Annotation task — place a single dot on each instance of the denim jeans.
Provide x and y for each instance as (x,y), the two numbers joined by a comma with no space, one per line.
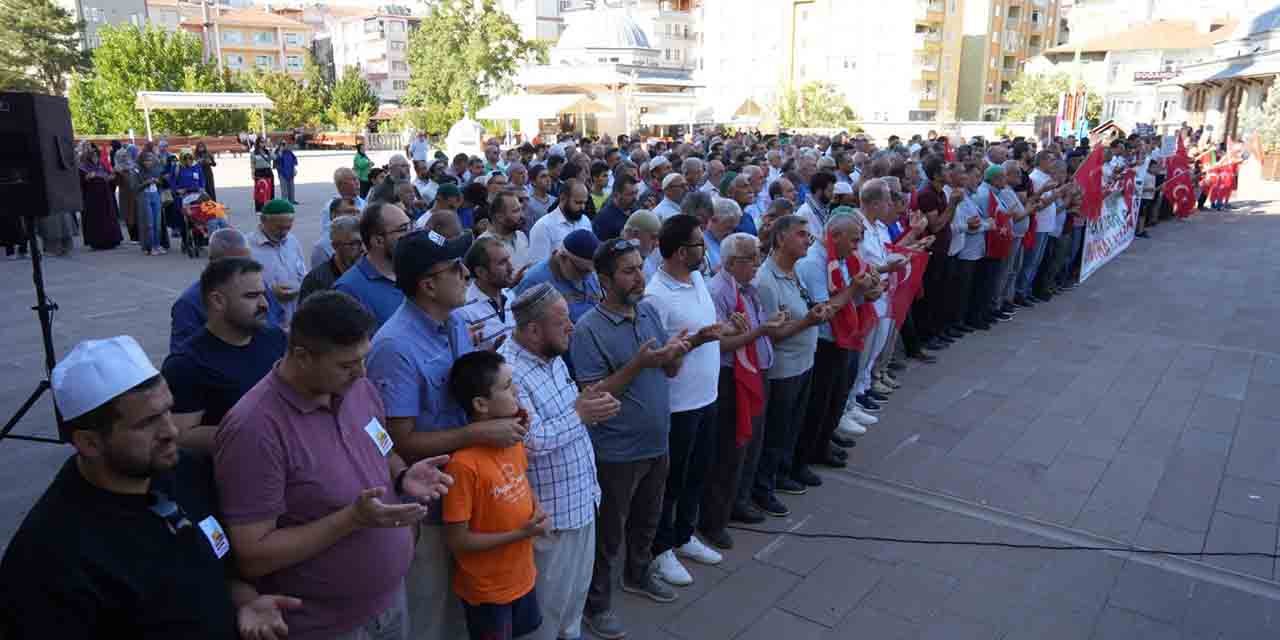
(286,188)
(149,220)
(693,450)
(1031,263)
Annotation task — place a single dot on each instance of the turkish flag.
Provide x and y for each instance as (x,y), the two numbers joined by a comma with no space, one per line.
(748,385)
(1089,177)
(948,153)
(999,239)
(908,282)
(1178,188)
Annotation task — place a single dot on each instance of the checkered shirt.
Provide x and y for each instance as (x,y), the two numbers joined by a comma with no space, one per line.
(562,464)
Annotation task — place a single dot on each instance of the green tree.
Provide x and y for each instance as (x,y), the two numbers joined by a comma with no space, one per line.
(462,56)
(1264,121)
(816,104)
(1037,95)
(39,46)
(131,59)
(317,81)
(352,102)
(296,105)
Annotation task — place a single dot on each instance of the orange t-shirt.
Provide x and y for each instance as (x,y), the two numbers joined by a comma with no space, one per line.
(491,491)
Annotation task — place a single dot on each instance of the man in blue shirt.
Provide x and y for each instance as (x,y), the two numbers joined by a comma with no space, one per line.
(287,167)
(236,348)
(571,271)
(409,364)
(372,280)
(188,314)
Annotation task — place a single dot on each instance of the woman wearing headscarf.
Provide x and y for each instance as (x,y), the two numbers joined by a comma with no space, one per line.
(99,215)
(260,162)
(123,166)
(207,162)
(362,164)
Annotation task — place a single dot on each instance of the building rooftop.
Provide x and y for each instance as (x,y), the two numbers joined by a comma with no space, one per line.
(1260,22)
(1160,34)
(603,28)
(254,18)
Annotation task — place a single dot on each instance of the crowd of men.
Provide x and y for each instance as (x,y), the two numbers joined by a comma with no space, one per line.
(499,384)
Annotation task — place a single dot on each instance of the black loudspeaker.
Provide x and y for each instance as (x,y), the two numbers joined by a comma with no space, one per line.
(38,166)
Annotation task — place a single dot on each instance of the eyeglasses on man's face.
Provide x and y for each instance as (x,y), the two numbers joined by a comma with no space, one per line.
(455,265)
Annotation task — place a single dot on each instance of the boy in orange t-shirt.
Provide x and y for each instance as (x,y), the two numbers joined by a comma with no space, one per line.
(491,514)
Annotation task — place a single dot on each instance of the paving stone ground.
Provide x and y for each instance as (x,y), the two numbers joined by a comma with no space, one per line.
(1143,408)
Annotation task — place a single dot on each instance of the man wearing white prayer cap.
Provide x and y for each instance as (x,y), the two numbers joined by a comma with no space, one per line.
(125,542)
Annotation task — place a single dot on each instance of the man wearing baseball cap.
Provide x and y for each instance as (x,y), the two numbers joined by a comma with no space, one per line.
(409,363)
(126,542)
(571,271)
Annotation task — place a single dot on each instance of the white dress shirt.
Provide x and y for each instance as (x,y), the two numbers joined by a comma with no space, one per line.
(549,231)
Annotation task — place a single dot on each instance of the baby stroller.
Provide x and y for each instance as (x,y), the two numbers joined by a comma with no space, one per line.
(203,216)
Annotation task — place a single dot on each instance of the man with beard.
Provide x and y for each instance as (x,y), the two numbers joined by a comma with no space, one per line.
(236,348)
(126,542)
(740,191)
(507,227)
(188,313)
(642,229)
(571,271)
(550,230)
(487,311)
(674,189)
(562,464)
(619,347)
(275,247)
(372,280)
(316,500)
(817,206)
(347,186)
(609,222)
(344,237)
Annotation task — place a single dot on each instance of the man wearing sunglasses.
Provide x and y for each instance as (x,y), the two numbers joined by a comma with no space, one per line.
(409,364)
(372,280)
(127,542)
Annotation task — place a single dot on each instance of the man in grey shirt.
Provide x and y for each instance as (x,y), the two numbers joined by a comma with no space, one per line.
(619,347)
(793,348)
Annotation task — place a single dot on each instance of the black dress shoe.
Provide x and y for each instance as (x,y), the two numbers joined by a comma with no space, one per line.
(1009,308)
(1036,300)
(868,405)
(838,452)
(841,441)
(718,539)
(806,477)
(772,506)
(978,327)
(897,366)
(878,397)
(962,329)
(925,358)
(833,462)
(786,484)
(947,338)
(936,344)
(746,514)
(1025,303)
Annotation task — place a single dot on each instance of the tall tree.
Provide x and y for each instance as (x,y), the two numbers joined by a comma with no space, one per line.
(1037,95)
(39,46)
(816,104)
(353,96)
(461,56)
(318,80)
(295,104)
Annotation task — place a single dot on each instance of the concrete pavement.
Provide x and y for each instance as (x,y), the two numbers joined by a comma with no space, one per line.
(1141,408)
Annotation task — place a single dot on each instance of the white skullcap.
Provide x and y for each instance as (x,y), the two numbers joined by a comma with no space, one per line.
(96,371)
(844,189)
(658,161)
(670,179)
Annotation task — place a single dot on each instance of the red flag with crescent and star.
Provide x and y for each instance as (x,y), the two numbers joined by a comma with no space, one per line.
(999,239)
(748,385)
(1089,177)
(1178,188)
(909,282)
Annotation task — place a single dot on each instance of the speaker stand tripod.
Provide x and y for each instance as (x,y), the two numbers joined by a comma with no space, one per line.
(44,310)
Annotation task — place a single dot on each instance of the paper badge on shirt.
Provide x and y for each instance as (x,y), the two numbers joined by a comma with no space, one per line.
(381,438)
(217,538)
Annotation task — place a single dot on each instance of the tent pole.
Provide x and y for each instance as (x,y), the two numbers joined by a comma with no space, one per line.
(262,117)
(146,114)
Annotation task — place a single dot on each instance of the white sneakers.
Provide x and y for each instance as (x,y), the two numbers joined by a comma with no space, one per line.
(698,552)
(670,570)
(668,567)
(861,417)
(849,427)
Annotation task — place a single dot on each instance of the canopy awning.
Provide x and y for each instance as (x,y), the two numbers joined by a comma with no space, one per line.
(541,106)
(184,100)
(1252,66)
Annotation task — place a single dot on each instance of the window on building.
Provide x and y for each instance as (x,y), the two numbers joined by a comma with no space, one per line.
(235,60)
(995,9)
(294,63)
(397,45)
(372,26)
(397,65)
(293,39)
(264,37)
(263,62)
(232,37)
(400,85)
(396,26)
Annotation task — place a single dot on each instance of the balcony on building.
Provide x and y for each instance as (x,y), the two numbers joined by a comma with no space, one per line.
(925,63)
(1009,65)
(1035,44)
(927,39)
(930,11)
(1012,41)
(1014,17)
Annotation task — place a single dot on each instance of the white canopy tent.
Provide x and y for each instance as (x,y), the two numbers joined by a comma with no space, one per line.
(148,100)
(535,107)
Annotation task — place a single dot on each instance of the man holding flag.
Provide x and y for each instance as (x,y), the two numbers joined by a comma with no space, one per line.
(1178,187)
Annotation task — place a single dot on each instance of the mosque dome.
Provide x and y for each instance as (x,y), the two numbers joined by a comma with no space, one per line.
(604,28)
(1260,22)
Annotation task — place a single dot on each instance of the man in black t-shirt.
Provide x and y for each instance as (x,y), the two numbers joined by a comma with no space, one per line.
(126,541)
(234,350)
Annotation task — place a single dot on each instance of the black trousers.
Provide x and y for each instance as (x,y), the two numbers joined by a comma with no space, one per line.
(729,480)
(784,414)
(933,317)
(962,289)
(692,450)
(830,391)
(982,291)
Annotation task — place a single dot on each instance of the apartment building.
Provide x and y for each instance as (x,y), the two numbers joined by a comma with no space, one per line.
(537,19)
(671,26)
(246,39)
(99,13)
(999,39)
(373,42)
